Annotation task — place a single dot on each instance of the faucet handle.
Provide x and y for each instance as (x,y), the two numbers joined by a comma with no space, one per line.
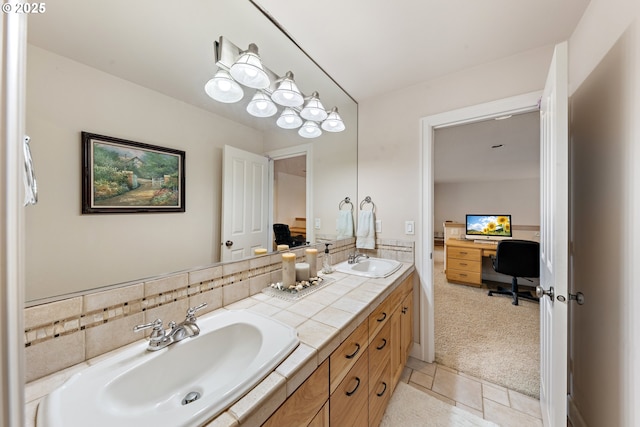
(158,330)
(191,312)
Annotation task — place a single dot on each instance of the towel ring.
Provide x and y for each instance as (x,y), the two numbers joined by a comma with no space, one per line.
(368,200)
(346,201)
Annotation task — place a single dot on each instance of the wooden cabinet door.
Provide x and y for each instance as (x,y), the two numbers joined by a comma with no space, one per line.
(396,347)
(303,405)
(406,326)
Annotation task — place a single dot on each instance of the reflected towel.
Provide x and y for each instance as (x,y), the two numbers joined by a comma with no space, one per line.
(366,234)
(344,225)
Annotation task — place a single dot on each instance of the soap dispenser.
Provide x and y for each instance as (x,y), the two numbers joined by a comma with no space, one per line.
(326,261)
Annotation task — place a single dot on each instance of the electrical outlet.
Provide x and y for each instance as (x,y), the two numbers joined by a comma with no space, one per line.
(409,227)
(454,231)
(316,224)
(378,226)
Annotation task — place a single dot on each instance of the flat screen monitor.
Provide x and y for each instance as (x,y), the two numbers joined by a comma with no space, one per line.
(488,227)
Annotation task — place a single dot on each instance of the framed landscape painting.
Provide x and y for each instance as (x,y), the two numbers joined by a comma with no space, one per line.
(121,176)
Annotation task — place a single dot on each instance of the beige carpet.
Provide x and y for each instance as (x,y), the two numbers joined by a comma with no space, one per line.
(487,337)
(409,407)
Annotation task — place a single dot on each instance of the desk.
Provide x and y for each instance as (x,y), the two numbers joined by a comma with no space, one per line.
(464,260)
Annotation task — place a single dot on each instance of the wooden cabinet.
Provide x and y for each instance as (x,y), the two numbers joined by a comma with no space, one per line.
(464,265)
(304,407)
(353,386)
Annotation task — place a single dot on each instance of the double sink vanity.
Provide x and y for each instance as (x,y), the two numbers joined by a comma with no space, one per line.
(330,358)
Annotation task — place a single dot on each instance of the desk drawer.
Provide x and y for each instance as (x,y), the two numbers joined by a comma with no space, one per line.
(464,276)
(465,265)
(464,253)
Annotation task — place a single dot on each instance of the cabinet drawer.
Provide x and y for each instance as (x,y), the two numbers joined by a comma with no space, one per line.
(464,276)
(465,265)
(379,354)
(464,253)
(347,354)
(379,396)
(351,396)
(378,317)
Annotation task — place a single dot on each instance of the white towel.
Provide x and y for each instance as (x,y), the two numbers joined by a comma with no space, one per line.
(366,234)
(344,224)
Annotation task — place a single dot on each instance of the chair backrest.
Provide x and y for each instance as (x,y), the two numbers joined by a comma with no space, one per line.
(518,258)
(282,234)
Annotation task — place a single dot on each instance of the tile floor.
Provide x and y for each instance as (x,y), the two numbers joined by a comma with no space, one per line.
(489,401)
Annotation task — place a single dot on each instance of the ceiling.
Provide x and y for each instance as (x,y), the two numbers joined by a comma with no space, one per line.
(466,152)
(374,47)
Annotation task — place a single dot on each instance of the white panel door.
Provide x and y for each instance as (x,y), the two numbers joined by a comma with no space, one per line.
(245,203)
(554,205)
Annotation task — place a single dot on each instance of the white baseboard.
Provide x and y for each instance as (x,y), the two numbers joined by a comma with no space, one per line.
(574,413)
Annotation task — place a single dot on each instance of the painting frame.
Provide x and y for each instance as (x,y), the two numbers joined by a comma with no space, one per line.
(121,176)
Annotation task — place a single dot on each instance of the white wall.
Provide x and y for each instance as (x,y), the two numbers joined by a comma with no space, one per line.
(604,76)
(69,252)
(290,194)
(389,143)
(520,198)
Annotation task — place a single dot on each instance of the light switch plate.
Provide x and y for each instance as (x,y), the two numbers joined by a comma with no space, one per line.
(378,226)
(409,227)
(316,224)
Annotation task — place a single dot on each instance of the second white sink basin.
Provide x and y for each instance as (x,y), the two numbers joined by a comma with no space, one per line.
(185,384)
(370,267)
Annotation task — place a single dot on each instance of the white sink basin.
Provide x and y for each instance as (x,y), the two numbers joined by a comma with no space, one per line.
(370,267)
(234,351)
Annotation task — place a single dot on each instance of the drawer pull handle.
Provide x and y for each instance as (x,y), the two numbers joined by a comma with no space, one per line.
(352,355)
(463,274)
(404,310)
(383,390)
(350,393)
(384,316)
(383,345)
(463,253)
(464,264)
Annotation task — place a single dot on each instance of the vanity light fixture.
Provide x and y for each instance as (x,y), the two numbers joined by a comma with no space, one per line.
(261,105)
(313,109)
(223,88)
(287,94)
(333,122)
(248,70)
(289,119)
(310,129)
(237,68)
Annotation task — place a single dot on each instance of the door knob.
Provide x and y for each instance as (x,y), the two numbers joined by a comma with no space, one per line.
(579,298)
(228,243)
(540,292)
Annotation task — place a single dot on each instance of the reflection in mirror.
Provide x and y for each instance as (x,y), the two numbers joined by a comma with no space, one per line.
(137,71)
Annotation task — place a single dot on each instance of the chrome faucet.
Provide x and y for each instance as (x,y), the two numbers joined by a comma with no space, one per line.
(353,258)
(160,338)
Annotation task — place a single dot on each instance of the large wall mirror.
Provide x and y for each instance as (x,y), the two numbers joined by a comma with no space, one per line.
(136,71)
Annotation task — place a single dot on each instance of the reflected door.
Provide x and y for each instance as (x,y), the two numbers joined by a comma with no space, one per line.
(245,198)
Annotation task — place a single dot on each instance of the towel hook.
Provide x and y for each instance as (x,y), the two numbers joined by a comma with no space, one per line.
(368,200)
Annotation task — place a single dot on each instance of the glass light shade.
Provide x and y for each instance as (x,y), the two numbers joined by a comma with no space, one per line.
(309,130)
(333,122)
(248,70)
(287,94)
(289,119)
(223,88)
(313,109)
(261,106)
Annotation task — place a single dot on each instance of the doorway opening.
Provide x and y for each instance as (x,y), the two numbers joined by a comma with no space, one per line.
(425,250)
(290,194)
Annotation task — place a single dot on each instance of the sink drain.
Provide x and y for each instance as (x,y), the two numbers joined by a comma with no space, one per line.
(191,397)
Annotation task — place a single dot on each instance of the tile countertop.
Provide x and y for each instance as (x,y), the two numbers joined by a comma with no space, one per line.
(323,320)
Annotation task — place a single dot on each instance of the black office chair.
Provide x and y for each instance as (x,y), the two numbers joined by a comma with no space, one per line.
(517,258)
(283,236)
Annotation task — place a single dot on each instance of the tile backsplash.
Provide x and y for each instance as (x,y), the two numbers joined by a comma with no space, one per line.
(69,331)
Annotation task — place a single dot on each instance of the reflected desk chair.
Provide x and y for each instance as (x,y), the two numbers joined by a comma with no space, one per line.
(517,258)
(283,236)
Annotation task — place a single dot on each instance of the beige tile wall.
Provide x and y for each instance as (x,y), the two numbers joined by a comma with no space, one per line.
(63,333)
